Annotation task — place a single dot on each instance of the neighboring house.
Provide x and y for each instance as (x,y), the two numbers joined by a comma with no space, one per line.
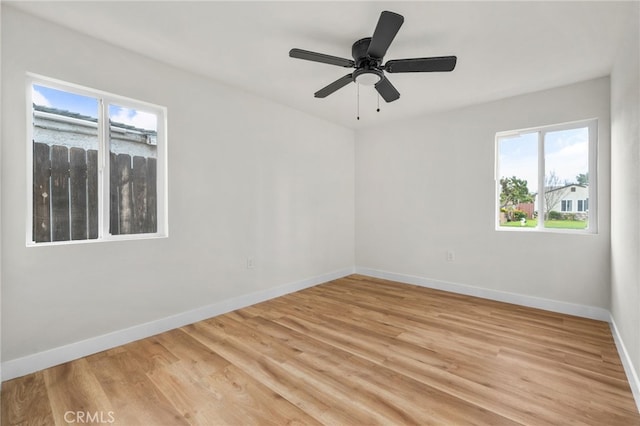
(567,199)
(53,126)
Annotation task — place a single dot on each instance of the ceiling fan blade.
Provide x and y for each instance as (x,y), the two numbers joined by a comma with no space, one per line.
(386,90)
(338,84)
(321,57)
(386,30)
(435,64)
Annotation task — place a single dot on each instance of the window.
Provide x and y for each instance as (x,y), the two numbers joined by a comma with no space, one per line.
(545,177)
(98,165)
(583,205)
(566,206)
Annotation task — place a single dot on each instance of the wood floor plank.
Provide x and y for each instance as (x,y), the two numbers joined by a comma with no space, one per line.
(424,366)
(148,354)
(195,356)
(356,350)
(25,401)
(134,398)
(189,395)
(73,389)
(317,370)
(228,396)
(321,405)
(406,401)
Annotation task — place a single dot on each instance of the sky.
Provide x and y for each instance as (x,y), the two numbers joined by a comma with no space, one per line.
(85,105)
(566,153)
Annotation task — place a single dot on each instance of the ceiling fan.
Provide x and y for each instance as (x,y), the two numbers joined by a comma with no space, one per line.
(367,60)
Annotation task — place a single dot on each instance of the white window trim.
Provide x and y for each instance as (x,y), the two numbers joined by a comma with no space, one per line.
(592,125)
(104,99)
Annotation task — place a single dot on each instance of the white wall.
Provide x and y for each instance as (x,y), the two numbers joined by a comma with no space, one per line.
(426,185)
(625,193)
(247,177)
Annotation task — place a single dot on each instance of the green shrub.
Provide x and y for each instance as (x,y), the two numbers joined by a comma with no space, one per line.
(554,215)
(519,214)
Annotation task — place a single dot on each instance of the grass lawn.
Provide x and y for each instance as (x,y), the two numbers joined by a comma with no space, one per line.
(557,224)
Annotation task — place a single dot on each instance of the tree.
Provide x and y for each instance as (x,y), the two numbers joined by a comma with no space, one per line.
(513,192)
(583,179)
(552,192)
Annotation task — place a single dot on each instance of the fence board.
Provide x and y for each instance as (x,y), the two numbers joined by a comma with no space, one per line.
(59,193)
(125,193)
(92,193)
(114,207)
(139,186)
(78,193)
(151,224)
(41,193)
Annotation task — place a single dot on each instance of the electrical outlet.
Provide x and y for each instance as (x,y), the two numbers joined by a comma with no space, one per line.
(451,256)
(251,262)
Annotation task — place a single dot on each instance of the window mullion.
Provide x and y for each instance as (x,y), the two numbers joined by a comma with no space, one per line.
(593,177)
(541,181)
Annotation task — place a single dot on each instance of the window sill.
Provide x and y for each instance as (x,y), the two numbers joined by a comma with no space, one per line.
(547,230)
(111,238)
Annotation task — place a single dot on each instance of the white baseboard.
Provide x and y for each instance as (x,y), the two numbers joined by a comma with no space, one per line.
(584,311)
(31,363)
(632,376)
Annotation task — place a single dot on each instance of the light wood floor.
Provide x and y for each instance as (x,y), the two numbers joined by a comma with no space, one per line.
(354,351)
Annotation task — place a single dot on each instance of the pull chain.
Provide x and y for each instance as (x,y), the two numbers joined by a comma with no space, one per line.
(358,101)
(378,110)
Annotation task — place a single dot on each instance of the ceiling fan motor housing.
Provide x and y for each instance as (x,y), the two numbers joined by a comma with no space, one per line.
(359,52)
(368,70)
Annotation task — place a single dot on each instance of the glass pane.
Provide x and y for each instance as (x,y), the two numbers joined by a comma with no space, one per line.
(65,165)
(566,181)
(518,174)
(132,165)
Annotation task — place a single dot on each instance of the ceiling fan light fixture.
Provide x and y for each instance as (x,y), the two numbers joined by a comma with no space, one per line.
(368,78)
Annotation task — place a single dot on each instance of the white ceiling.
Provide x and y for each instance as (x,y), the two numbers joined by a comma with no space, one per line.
(503,48)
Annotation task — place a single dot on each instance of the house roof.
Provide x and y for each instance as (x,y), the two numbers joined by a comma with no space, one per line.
(557,188)
(77,116)
(64,113)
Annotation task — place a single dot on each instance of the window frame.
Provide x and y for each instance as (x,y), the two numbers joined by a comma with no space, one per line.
(592,222)
(103,132)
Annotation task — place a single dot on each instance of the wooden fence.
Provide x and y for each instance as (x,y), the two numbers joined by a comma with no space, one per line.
(65,194)
(528,208)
